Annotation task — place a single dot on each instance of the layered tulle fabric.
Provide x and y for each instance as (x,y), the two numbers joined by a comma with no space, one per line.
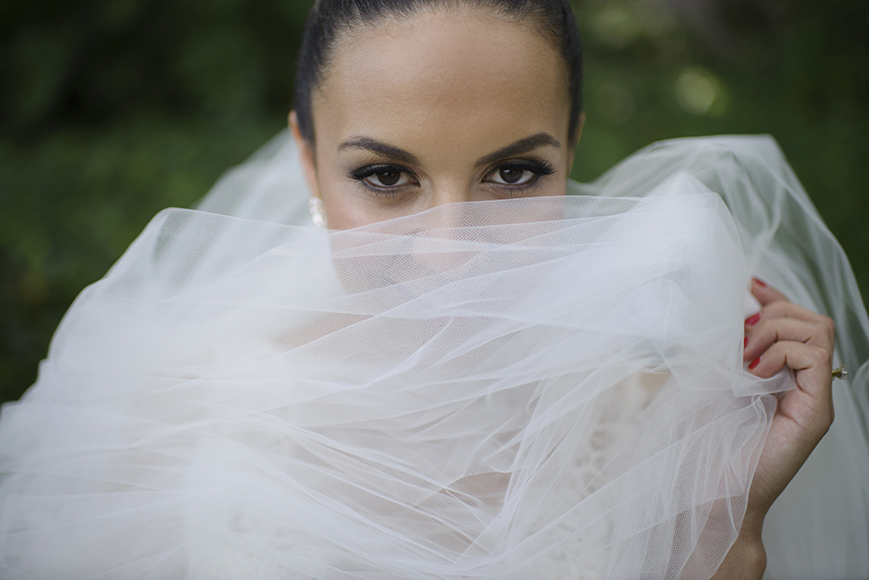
(544,388)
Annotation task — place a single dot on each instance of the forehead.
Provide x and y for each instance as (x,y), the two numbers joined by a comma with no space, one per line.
(442,74)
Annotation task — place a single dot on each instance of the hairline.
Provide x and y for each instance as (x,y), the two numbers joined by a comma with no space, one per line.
(358,24)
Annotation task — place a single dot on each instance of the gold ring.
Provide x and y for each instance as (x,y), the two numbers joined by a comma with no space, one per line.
(840,373)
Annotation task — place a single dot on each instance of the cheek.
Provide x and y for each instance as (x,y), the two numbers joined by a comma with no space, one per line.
(345,207)
(341,211)
(341,202)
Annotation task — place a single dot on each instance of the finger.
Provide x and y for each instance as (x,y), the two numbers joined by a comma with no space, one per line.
(805,414)
(762,336)
(812,365)
(781,309)
(764,293)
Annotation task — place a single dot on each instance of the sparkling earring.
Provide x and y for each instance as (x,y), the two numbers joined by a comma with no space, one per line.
(318,212)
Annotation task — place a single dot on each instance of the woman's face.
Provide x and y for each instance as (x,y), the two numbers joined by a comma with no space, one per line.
(443,107)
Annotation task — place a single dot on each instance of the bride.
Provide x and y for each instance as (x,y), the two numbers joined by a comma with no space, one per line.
(473,368)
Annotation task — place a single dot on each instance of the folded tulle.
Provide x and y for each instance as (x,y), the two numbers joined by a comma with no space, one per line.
(531,388)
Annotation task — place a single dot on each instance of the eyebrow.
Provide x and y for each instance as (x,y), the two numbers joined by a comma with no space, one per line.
(521,146)
(380,148)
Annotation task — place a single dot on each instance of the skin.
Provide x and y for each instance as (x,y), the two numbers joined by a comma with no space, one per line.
(434,98)
(449,89)
(783,335)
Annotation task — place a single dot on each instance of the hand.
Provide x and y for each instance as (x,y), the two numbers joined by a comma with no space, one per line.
(782,334)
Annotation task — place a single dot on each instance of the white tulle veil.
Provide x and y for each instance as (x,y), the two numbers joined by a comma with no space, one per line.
(544,388)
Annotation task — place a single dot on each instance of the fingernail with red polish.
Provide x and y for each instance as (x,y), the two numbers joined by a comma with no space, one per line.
(754,363)
(760,283)
(745,342)
(751,321)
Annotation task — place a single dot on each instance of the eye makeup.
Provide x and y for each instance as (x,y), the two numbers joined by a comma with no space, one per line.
(511,177)
(505,171)
(384,179)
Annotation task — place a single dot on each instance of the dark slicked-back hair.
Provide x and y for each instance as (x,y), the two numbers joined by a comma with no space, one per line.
(328,19)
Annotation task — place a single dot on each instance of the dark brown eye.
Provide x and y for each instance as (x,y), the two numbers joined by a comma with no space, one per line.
(511,175)
(388,178)
(384,177)
(519,172)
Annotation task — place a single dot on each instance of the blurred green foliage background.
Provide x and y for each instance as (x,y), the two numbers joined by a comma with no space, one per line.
(111,110)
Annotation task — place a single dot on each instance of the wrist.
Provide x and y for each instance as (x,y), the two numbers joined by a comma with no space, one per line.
(746,559)
(751,530)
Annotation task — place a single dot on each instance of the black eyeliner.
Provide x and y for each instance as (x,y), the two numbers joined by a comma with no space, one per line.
(361,175)
(536,167)
(369,170)
(540,170)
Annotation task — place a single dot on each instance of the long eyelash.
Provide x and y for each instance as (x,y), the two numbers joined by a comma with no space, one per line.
(539,168)
(369,170)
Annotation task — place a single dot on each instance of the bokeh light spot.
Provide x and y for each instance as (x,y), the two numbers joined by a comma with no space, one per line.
(700,92)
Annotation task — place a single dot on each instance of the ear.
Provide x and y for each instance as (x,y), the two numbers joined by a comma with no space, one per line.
(306,155)
(580,123)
